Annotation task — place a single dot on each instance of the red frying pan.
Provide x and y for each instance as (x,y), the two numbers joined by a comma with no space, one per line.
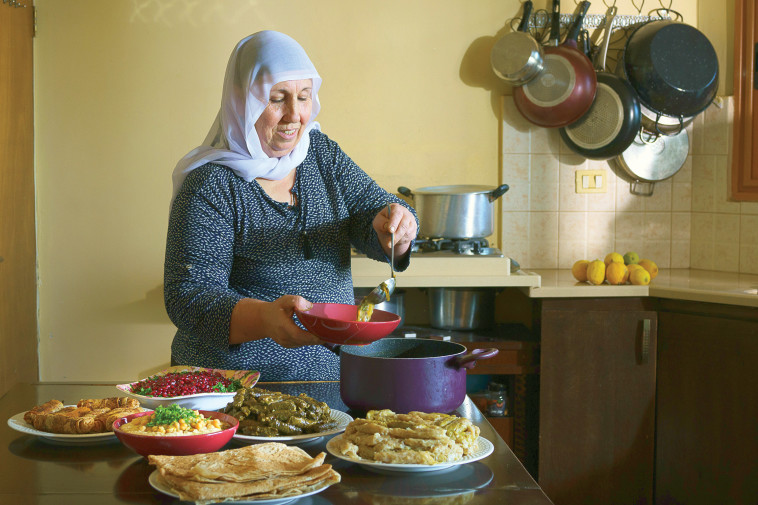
(565,89)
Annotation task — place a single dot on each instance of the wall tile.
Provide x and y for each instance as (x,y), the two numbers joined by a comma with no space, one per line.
(702,227)
(749,230)
(749,259)
(681,196)
(749,207)
(545,141)
(625,200)
(726,229)
(543,226)
(701,255)
(685,172)
(715,128)
(660,200)
(721,187)
(543,253)
(515,224)
(545,183)
(570,251)
(726,257)
(572,226)
(518,250)
(658,251)
(703,182)
(569,199)
(517,196)
(516,130)
(680,254)
(681,226)
(516,168)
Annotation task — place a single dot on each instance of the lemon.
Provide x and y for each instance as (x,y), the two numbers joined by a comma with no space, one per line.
(632,267)
(596,272)
(614,257)
(579,270)
(631,258)
(616,273)
(650,266)
(640,277)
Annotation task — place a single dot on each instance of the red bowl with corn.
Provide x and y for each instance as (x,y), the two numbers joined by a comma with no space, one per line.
(209,431)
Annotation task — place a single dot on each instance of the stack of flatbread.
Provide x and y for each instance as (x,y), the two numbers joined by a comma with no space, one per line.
(255,472)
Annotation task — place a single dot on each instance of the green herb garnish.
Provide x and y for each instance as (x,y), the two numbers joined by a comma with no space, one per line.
(167,415)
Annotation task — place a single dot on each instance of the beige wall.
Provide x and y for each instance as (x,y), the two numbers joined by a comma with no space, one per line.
(124,88)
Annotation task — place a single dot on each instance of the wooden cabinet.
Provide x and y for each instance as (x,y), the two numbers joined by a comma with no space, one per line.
(707,420)
(597,400)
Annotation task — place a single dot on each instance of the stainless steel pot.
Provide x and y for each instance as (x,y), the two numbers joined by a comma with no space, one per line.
(461,308)
(455,212)
(395,305)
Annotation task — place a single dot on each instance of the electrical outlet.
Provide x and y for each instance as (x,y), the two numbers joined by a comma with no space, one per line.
(591,181)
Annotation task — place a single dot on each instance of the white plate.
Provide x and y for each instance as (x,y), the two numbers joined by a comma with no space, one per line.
(17,423)
(159,486)
(342,419)
(483,449)
(200,401)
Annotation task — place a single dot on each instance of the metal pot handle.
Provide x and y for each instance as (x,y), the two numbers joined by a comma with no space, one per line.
(495,193)
(469,360)
(405,191)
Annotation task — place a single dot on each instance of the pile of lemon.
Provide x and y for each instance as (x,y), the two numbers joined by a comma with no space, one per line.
(616,269)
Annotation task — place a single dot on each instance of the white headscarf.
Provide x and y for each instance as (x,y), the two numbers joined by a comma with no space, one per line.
(257,63)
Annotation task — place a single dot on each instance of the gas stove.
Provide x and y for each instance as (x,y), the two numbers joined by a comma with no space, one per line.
(455,247)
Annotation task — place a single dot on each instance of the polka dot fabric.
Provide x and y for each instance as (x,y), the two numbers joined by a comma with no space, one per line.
(227,240)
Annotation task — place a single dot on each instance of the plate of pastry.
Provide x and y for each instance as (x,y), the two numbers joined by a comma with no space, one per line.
(88,422)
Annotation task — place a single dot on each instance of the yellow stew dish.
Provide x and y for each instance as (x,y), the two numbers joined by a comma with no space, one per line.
(173,421)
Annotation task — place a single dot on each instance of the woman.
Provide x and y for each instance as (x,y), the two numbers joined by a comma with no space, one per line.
(262,221)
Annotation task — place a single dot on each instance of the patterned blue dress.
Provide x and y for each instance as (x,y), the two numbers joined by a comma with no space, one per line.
(228,239)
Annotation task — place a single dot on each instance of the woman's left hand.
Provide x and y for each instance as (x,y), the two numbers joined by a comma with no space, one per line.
(401,221)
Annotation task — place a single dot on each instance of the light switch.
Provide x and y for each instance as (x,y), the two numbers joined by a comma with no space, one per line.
(591,181)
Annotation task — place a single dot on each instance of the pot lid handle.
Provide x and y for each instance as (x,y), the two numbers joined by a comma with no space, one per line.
(405,191)
(498,192)
(469,360)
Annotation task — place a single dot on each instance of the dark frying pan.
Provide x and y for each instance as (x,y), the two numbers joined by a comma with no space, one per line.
(517,57)
(613,120)
(565,89)
(674,70)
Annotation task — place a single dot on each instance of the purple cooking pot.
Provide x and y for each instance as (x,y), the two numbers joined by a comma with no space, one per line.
(405,374)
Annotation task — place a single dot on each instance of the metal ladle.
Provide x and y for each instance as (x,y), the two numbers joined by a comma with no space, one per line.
(382,292)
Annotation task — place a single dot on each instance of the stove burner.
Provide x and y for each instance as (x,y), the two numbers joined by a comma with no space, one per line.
(458,246)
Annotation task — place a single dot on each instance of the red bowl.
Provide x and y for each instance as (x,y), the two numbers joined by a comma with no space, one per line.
(336,323)
(177,445)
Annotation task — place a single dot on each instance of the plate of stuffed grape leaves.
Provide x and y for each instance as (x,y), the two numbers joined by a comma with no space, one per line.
(271,416)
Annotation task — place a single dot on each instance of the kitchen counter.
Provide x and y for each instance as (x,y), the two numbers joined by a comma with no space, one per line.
(432,271)
(679,284)
(36,471)
(486,271)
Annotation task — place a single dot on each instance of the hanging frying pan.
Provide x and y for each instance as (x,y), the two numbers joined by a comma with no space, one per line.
(674,70)
(517,57)
(651,158)
(613,120)
(564,90)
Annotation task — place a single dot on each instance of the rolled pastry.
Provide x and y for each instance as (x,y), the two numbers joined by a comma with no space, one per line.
(114,402)
(45,408)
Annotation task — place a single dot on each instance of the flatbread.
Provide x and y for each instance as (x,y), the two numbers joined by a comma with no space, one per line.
(270,470)
(278,486)
(248,463)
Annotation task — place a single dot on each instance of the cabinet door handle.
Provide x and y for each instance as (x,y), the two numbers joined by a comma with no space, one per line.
(645,342)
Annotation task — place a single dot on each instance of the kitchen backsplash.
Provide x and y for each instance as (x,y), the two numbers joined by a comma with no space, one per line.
(688,222)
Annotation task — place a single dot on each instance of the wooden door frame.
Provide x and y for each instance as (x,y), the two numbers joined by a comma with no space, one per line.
(744,171)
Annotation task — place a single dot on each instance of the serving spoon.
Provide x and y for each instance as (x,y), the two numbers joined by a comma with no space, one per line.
(382,292)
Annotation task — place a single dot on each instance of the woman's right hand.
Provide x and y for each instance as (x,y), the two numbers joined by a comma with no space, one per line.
(256,319)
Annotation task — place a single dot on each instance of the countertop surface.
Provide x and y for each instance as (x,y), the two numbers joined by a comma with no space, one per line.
(680,284)
(459,271)
(36,471)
